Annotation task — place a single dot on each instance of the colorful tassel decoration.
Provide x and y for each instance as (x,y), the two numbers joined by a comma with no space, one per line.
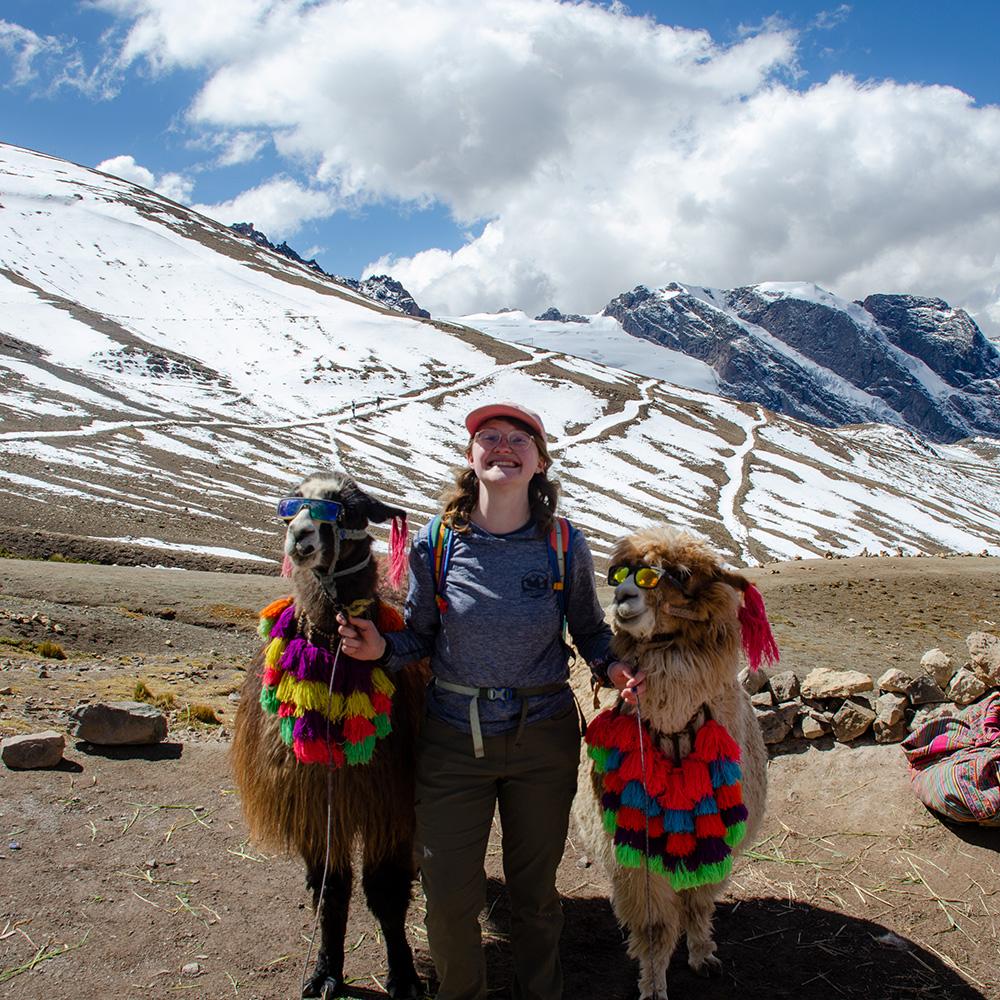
(399,534)
(755,630)
(334,722)
(680,821)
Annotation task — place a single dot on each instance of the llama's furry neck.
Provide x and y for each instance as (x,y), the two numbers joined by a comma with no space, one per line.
(312,600)
(683,676)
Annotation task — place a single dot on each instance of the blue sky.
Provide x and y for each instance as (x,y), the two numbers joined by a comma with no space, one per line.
(126,78)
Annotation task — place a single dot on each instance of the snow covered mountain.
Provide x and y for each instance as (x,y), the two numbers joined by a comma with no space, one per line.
(797,349)
(163,381)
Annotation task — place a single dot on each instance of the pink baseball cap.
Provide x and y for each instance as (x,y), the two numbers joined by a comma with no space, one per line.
(481,414)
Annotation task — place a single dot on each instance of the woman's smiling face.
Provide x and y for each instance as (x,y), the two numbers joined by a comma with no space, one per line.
(503,465)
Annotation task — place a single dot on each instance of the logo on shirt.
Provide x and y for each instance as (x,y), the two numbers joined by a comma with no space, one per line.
(535,584)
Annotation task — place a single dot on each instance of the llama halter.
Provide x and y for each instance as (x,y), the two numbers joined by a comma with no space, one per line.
(679,819)
(326,716)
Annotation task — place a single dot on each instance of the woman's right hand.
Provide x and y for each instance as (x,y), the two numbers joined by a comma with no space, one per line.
(631,686)
(360,639)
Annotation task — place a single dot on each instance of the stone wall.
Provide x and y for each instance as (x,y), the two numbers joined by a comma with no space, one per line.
(846,705)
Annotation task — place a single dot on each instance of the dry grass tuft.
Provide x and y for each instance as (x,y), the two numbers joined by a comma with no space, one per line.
(203,713)
(141,692)
(235,615)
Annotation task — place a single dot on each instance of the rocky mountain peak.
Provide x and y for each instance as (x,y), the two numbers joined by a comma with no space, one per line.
(553,315)
(381,288)
(801,350)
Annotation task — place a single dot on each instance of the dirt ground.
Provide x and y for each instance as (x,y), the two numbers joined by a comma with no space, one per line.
(119,868)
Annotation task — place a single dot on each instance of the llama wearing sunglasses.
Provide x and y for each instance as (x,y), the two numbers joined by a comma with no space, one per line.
(323,747)
(675,789)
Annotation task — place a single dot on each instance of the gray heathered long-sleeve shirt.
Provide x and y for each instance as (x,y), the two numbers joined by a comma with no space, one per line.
(502,626)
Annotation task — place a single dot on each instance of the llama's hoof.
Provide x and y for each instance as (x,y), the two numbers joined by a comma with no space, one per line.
(320,986)
(406,988)
(708,966)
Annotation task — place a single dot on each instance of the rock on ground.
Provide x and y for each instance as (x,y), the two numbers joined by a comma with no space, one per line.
(895,680)
(939,665)
(776,723)
(120,723)
(889,732)
(34,750)
(984,657)
(851,721)
(965,687)
(785,686)
(825,683)
(813,729)
(924,690)
(753,681)
(889,708)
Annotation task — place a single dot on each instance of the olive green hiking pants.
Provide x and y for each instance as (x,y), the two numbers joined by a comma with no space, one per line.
(533,785)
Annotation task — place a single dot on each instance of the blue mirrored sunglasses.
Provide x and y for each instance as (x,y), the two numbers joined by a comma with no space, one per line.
(319,510)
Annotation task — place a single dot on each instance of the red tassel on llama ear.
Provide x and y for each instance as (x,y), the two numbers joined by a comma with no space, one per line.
(399,534)
(758,640)
(286,567)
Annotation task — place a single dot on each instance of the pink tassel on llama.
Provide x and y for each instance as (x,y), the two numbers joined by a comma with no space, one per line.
(399,535)
(286,567)
(758,640)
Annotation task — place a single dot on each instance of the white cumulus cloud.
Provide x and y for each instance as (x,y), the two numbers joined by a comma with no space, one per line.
(277,207)
(590,149)
(175,186)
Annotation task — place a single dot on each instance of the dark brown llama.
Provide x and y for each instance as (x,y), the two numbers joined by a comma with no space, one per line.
(302,758)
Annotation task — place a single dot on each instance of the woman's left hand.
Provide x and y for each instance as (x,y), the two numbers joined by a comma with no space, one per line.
(631,685)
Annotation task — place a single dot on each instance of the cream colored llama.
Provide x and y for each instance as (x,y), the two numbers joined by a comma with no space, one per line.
(663,805)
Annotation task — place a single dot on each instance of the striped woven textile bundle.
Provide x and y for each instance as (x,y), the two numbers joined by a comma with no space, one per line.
(681,821)
(336,723)
(955,763)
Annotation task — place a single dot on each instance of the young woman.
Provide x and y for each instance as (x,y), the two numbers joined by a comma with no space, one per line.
(502,729)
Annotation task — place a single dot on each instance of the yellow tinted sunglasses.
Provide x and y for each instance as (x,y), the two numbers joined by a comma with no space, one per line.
(646,577)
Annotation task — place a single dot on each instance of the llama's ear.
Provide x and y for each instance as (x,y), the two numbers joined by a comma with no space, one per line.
(755,630)
(378,512)
(738,582)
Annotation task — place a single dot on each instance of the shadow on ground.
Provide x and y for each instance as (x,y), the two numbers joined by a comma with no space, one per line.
(769,948)
(152,751)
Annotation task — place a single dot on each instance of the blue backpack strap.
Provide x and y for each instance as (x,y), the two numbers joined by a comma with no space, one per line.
(559,546)
(441,538)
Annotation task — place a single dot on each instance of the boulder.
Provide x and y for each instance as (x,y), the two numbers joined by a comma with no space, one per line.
(924,690)
(119,723)
(825,683)
(753,681)
(895,680)
(776,723)
(889,732)
(966,687)
(762,699)
(784,686)
(34,750)
(851,721)
(939,665)
(984,657)
(932,712)
(890,708)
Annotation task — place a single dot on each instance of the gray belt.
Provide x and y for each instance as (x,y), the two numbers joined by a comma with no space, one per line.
(496,694)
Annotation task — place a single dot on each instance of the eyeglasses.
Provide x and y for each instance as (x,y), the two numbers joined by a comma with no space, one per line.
(490,439)
(646,577)
(319,510)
